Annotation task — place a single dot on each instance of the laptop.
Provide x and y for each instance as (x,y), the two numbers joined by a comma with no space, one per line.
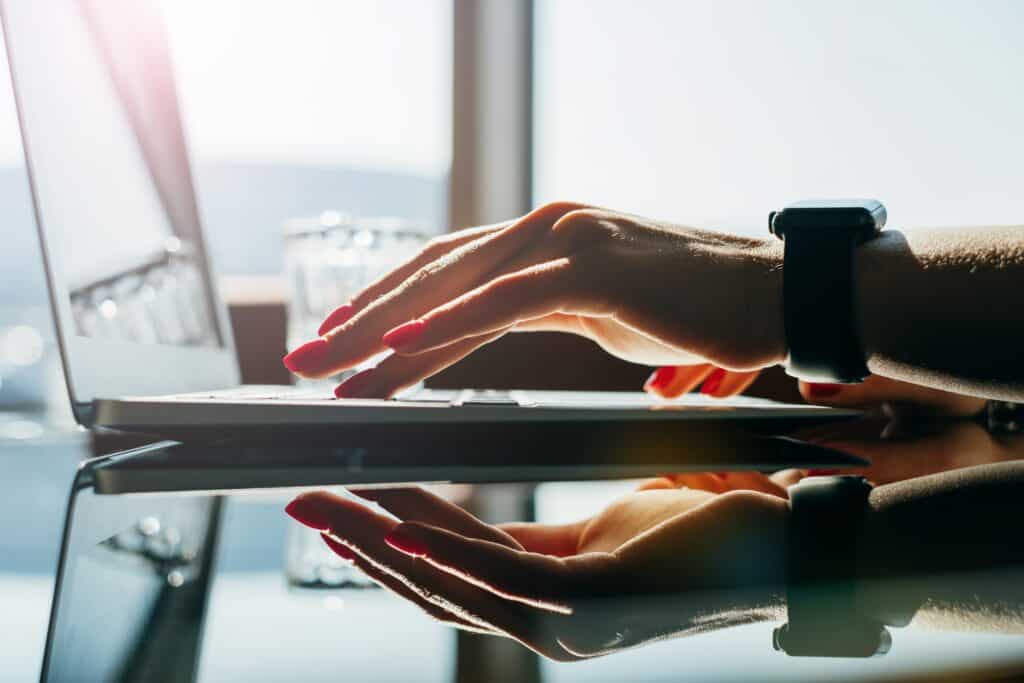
(144,337)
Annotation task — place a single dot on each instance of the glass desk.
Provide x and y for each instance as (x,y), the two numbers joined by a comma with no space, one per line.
(173,587)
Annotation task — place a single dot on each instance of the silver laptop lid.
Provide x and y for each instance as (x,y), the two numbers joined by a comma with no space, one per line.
(133,297)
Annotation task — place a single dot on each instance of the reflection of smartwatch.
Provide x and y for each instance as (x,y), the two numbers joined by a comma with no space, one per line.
(824,521)
(817,282)
(1003,417)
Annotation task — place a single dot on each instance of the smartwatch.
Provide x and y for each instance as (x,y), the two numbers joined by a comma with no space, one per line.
(817,285)
(823,619)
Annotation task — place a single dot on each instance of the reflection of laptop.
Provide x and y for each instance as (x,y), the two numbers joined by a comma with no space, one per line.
(143,336)
(131,589)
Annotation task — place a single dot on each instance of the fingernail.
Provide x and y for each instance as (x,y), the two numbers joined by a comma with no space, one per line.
(824,390)
(821,473)
(307,512)
(354,386)
(404,334)
(309,354)
(342,551)
(712,382)
(403,541)
(660,378)
(339,316)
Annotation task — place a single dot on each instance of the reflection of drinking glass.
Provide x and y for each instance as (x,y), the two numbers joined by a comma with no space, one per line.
(309,563)
(159,300)
(332,257)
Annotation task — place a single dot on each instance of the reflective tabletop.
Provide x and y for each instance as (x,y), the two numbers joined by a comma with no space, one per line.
(176,587)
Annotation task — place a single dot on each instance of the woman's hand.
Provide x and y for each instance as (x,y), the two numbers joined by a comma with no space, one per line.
(659,562)
(645,291)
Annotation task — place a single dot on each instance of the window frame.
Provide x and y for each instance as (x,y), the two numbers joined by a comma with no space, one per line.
(490,179)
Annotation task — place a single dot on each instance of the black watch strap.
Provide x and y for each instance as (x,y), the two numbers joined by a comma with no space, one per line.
(818,286)
(818,305)
(825,519)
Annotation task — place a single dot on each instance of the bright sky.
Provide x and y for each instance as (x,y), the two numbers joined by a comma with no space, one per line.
(324,82)
(320,82)
(717,111)
(710,111)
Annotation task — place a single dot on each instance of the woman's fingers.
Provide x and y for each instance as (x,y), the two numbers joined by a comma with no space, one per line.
(724,383)
(433,251)
(878,390)
(362,531)
(458,271)
(389,582)
(395,373)
(674,381)
(416,504)
(359,338)
(533,292)
(537,580)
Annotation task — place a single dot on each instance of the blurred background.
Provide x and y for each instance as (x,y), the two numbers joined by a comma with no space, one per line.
(448,113)
(454,112)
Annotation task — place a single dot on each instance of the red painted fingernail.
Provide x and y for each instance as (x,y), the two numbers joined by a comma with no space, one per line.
(339,316)
(341,550)
(306,511)
(821,473)
(307,356)
(404,542)
(660,378)
(824,390)
(404,334)
(712,382)
(355,386)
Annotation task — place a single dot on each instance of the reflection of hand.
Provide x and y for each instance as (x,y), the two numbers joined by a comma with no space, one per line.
(896,454)
(876,391)
(639,288)
(655,563)
(904,451)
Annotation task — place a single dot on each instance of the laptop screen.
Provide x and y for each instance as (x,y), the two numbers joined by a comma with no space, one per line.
(103,139)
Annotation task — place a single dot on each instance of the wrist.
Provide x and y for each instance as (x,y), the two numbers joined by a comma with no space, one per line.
(882,590)
(763,300)
(872,300)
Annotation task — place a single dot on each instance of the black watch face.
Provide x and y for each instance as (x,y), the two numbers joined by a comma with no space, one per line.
(864,216)
(868,205)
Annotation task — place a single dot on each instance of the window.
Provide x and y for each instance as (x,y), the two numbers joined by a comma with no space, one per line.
(297,107)
(716,112)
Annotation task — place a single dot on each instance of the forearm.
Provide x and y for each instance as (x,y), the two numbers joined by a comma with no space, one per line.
(962,520)
(946,545)
(945,308)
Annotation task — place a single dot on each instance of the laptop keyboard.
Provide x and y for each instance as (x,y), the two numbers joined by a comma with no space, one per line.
(259,393)
(454,397)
